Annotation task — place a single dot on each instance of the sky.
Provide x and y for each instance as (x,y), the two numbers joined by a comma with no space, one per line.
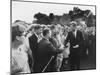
(26,10)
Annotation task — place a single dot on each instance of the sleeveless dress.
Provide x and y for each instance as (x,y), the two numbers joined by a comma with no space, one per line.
(59,56)
(66,51)
(20,60)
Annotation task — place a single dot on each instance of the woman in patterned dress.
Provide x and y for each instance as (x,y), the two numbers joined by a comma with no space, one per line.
(20,51)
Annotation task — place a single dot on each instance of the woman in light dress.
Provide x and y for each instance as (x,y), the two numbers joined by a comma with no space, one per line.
(20,51)
(61,39)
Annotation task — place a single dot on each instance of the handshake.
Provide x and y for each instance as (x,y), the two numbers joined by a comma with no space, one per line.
(76,46)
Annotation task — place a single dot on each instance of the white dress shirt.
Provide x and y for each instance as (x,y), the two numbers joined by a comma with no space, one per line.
(75,33)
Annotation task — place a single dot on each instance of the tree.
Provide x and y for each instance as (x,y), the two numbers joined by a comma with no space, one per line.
(76,13)
(90,20)
(65,19)
(56,19)
(42,18)
(51,17)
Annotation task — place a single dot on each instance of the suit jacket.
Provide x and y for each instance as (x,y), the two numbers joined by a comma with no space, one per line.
(33,42)
(78,40)
(45,51)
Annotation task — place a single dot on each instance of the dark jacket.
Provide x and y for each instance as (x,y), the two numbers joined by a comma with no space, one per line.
(33,42)
(45,51)
(75,41)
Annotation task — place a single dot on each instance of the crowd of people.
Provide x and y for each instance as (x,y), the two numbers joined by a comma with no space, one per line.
(44,48)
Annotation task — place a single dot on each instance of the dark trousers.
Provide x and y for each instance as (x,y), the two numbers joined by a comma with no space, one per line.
(52,66)
(35,67)
(74,60)
(40,65)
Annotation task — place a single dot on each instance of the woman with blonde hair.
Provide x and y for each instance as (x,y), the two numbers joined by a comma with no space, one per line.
(20,51)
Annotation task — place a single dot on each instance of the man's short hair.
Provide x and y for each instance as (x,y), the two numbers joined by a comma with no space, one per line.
(37,27)
(45,32)
(74,23)
(52,27)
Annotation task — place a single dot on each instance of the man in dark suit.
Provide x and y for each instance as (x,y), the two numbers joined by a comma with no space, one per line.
(75,38)
(85,45)
(44,53)
(33,42)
